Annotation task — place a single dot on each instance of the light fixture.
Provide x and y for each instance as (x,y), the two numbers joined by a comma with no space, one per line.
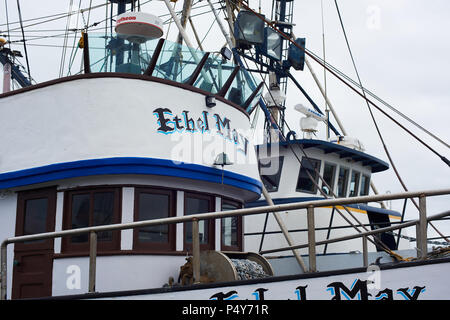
(226,53)
(210,101)
(296,56)
(222,160)
(248,29)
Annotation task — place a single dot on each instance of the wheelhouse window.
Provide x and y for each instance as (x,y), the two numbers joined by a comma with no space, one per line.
(354,183)
(193,204)
(86,208)
(365,184)
(152,204)
(270,171)
(329,175)
(342,182)
(309,167)
(231,228)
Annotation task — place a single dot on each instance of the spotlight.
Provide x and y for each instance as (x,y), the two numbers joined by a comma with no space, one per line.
(226,53)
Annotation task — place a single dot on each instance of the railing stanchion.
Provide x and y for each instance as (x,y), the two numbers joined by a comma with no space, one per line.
(423,224)
(195,251)
(92,260)
(3,271)
(365,252)
(311,239)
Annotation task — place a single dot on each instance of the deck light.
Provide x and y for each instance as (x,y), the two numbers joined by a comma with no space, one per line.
(210,101)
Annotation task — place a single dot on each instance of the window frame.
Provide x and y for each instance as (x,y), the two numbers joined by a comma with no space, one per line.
(316,178)
(155,246)
(357,183)
(210,245)
(239,228)
(366,187)
(333,180)
(277,174)
(114,245)
(346,182)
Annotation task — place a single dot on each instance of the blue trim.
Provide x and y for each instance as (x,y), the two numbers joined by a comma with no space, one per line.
(127,165)
(374,163)
(360,206)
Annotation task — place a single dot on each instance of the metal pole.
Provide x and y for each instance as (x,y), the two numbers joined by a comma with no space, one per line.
(365,252)
(222,28)
(186,14)
(185,37)
(195,251)
(423,224)
(6,77)
(284,230)
(311,239)
(92,260)
(3,258)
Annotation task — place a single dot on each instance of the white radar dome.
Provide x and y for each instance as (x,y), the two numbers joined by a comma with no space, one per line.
(139,27)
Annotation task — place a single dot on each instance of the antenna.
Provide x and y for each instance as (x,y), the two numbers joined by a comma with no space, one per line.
(309,123)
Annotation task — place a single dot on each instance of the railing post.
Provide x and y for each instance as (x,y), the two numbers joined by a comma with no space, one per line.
(195,251)
(92,260)
(3,271)
(365,252)
(422,228)
(311,239)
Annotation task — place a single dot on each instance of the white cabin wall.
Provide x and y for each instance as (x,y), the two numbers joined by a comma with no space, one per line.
(115,273)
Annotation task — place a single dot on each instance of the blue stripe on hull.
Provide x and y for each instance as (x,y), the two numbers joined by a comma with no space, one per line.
(127,165)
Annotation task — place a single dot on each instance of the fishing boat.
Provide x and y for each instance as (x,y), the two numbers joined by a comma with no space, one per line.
(140,177)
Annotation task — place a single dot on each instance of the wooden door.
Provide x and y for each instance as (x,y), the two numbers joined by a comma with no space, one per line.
(33,260)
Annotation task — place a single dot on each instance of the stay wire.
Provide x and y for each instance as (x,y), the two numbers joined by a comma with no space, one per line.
(375,240)
(373,117)
(24,44)
(272,25)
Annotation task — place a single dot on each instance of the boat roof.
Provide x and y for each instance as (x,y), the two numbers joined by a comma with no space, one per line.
(376,165)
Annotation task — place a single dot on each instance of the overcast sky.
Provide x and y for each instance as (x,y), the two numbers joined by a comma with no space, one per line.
(401,49)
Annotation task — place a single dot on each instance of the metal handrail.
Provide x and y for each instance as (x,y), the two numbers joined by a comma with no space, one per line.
(309,205)
(363,234)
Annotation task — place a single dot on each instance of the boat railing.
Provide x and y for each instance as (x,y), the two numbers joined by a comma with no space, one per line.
(420,224)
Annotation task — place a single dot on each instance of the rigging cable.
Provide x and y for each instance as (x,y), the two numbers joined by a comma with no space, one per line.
(375,240)
(371,113)
(24,44)
(287,37)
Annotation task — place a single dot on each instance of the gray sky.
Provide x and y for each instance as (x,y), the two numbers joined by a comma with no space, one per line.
(401,49)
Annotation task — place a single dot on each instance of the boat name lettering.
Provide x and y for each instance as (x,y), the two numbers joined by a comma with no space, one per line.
(173,123)
(358,290)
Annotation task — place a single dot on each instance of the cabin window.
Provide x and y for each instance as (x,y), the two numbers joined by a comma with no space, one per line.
(152,204)
(231,230)
(193,204)
(86,208)
(342,182)
(329,175)
(308,167)
(354,183)
(270,171)
(365,184)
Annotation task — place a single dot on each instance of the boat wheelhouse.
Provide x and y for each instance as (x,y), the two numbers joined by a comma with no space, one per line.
(346,172)
(121,144)
(139,176)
